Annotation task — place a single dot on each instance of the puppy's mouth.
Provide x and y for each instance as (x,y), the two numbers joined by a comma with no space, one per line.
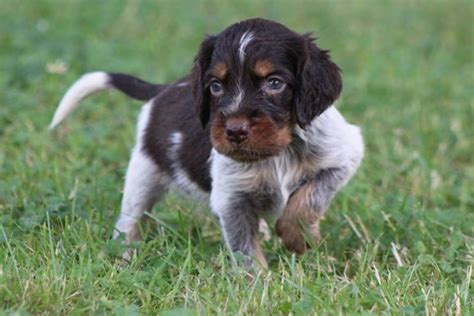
(245,141)
(245,152)
(246,155)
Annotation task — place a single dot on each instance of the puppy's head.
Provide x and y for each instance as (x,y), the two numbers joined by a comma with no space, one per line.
(255,81)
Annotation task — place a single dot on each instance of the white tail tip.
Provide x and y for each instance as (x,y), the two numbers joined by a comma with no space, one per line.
(85,86)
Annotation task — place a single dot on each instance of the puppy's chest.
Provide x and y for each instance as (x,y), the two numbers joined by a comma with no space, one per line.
(284,176)
(266,185)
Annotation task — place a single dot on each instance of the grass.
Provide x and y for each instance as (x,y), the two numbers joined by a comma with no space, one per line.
(398,239)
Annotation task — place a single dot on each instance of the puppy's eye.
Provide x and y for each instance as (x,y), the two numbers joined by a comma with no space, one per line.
(216,88)
(274,83)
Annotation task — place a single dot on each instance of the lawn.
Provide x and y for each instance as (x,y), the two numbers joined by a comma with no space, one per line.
(399,239)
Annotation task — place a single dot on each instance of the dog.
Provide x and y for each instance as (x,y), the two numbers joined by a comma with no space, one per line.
(252,130)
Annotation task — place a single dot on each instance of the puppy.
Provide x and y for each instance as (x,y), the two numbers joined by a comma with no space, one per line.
(251,129)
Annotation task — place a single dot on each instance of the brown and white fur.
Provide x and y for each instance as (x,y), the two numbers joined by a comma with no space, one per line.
(252,130)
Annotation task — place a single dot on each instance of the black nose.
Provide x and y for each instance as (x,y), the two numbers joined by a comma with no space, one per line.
(237,130)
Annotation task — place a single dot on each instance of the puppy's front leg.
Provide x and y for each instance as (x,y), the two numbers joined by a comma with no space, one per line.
(299,221)
(306,206)
(240,228)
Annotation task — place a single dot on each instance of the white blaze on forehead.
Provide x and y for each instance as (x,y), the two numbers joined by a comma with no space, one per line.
(243,43)
(236,100)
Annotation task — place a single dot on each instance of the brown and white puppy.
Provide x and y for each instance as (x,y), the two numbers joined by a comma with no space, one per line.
(252,129)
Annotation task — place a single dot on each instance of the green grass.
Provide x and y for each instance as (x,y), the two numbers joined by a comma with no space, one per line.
(398,239)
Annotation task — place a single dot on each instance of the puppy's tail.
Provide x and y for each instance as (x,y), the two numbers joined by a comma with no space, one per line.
(97,81)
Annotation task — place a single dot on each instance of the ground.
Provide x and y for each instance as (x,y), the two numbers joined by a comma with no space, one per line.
(398,239)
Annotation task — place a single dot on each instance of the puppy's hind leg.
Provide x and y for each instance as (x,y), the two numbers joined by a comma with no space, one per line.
(144,185)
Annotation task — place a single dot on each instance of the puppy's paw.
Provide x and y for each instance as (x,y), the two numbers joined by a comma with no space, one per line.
(128,236)
(264,229)
(297,234)
(128,255)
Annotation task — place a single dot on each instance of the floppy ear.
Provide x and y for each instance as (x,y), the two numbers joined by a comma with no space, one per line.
(201,64)
(319,83)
